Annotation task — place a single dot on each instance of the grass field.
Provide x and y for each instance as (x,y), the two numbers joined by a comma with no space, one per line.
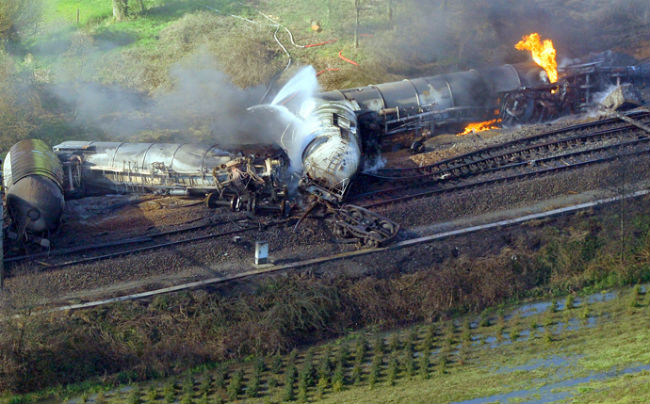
(587,349)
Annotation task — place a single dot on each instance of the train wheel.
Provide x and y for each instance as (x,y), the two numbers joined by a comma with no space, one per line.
(372,240)
(211,200)
(417,147)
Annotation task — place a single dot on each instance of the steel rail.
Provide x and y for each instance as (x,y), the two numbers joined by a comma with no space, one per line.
(520,176)
(258,272)
(131,241)
(488,152)
(526,152)
(147,248)
(487,168)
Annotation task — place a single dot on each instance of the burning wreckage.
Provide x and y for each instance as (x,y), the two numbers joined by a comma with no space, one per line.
(340,130)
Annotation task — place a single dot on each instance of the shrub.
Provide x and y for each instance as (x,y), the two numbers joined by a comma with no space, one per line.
(276,364)
(302,387)
(188,385)
(235,385)
(321,386)
(442,365)
(288,394)
(360,351)
(325,366)
(186,399)
(485,319)
(548,335)
(205,399)
(514,332)
(357,371)
(169,393)
(289,380)
(394,343)
(409,364)
(467,330)
(424,364)
(220,377)
(375,369)
(308,372)
(391,372)
(204,387)
(378,345)
(253,387)
(338,379)
(569,301)
(429,337)
(100,398)
(134,396)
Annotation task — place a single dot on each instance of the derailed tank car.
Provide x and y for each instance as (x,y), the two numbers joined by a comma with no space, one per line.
(33,182)
(333,155)
(241,176)
(445,100)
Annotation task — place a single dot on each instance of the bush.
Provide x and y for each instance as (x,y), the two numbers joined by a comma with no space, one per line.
(378,345)
(391,371)
(320,387)
(338,379)
(375,369)
(394,343)
(442,365)
(409,364)
(429,337)
(235,385)
(253,388)
(570,302)
(424,364)
(134,396)
(276,364)
(220,377)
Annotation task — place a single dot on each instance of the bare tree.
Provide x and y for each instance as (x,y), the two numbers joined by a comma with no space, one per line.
(17,16)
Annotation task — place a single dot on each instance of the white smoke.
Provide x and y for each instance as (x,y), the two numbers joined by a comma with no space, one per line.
(292,106)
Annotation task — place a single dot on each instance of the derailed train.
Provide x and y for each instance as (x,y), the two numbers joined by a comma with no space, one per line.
(344,126)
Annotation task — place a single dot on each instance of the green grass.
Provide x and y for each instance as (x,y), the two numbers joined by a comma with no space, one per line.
(618,341)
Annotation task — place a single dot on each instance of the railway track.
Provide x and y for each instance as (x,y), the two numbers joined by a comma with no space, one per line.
(134,245)
(527,161)
(567,136)
(297,265)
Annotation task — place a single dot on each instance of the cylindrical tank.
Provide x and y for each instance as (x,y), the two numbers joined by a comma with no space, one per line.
(33,182)
(473,88)
(333,155)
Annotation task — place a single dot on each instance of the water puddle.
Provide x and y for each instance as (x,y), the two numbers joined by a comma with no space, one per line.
(549,393)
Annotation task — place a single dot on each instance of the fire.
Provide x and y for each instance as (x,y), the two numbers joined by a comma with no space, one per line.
(480,126)
(543,53)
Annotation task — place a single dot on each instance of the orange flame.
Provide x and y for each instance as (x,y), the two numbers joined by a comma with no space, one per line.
(480,126)
(543,53)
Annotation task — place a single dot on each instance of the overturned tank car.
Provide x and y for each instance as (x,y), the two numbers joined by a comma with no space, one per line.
(33,183)
(241,177)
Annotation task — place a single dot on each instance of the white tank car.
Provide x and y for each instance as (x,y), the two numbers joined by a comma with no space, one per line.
(33,183)
(333,155)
